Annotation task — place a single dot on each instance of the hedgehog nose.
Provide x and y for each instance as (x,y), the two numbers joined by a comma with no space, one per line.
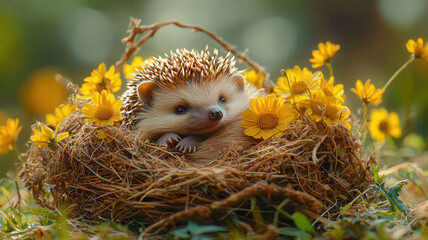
(215,114)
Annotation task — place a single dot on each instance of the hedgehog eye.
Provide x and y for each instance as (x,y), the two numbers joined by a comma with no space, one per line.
(180,109)
(221,99)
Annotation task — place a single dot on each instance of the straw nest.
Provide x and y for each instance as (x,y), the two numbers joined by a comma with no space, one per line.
(127,179)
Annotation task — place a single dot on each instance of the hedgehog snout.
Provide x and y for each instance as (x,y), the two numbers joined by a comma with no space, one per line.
(215,114)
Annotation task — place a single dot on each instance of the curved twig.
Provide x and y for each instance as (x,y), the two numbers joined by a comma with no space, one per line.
(260,188)
(137,30)
(314,152)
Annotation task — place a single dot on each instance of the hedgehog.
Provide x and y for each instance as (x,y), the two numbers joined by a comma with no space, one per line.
(190,102)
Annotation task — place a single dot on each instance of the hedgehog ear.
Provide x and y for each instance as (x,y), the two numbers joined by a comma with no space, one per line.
(145,92)
(240,81)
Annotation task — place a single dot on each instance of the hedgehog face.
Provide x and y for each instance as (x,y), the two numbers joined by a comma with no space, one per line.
(195,108)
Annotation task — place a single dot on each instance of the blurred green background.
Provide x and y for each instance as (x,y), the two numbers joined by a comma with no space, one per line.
(42,37)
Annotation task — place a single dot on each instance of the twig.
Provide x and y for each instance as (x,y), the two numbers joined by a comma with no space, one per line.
(314,152)
(28,230)
(137,30)
(257,189)
(18,193)
(360,195)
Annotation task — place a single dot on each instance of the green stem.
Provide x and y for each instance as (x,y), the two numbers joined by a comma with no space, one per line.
(363,124)
(365,116)
(8,220)
(391,143)
(18,153)
(289,86)
(330,68)
(398,71)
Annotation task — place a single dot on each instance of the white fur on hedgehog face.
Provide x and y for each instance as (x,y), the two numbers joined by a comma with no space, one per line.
(198,99)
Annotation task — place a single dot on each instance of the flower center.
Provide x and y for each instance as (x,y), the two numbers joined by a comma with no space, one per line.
(317,108)
(103,112)
(267,121)
(327,58)
(103,85)
(383,126)
(331,112)
(299,87)
(418,51)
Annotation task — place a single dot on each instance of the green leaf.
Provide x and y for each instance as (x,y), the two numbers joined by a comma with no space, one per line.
(299,234)
(304,236)
(302,222)
(182,233)
(378,179)
(392,194)
(200,230)
(290,231)
(255,211)
(195,231)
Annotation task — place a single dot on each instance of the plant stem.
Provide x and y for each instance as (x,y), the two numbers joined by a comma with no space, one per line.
(8,220)
(289,86)
(330,68)
(391,143)
(398,71)
(367,107)
(18,153)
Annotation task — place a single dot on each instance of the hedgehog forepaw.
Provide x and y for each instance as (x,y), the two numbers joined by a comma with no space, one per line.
(189,144)
(169,139)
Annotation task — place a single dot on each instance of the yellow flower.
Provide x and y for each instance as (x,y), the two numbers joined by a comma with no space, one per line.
(323,54)
(46,137)
(8,135)
(104,109)
(101,80)
(417,48)
(332,91)
(137,65)
(302,83)
(368,92)
(326,109)
(335,113)
(383,124)
(255,78)
(60,113)
(315,107)
(267,117)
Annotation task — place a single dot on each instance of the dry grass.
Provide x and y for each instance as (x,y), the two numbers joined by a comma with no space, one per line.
(126,178)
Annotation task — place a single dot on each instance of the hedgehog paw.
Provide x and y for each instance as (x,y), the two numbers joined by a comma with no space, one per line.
(169,139)
(188,144)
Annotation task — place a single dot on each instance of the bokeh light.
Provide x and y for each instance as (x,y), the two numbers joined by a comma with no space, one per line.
(403,13)
(42,92)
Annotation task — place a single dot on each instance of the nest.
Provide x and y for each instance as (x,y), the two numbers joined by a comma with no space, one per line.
(126,178)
